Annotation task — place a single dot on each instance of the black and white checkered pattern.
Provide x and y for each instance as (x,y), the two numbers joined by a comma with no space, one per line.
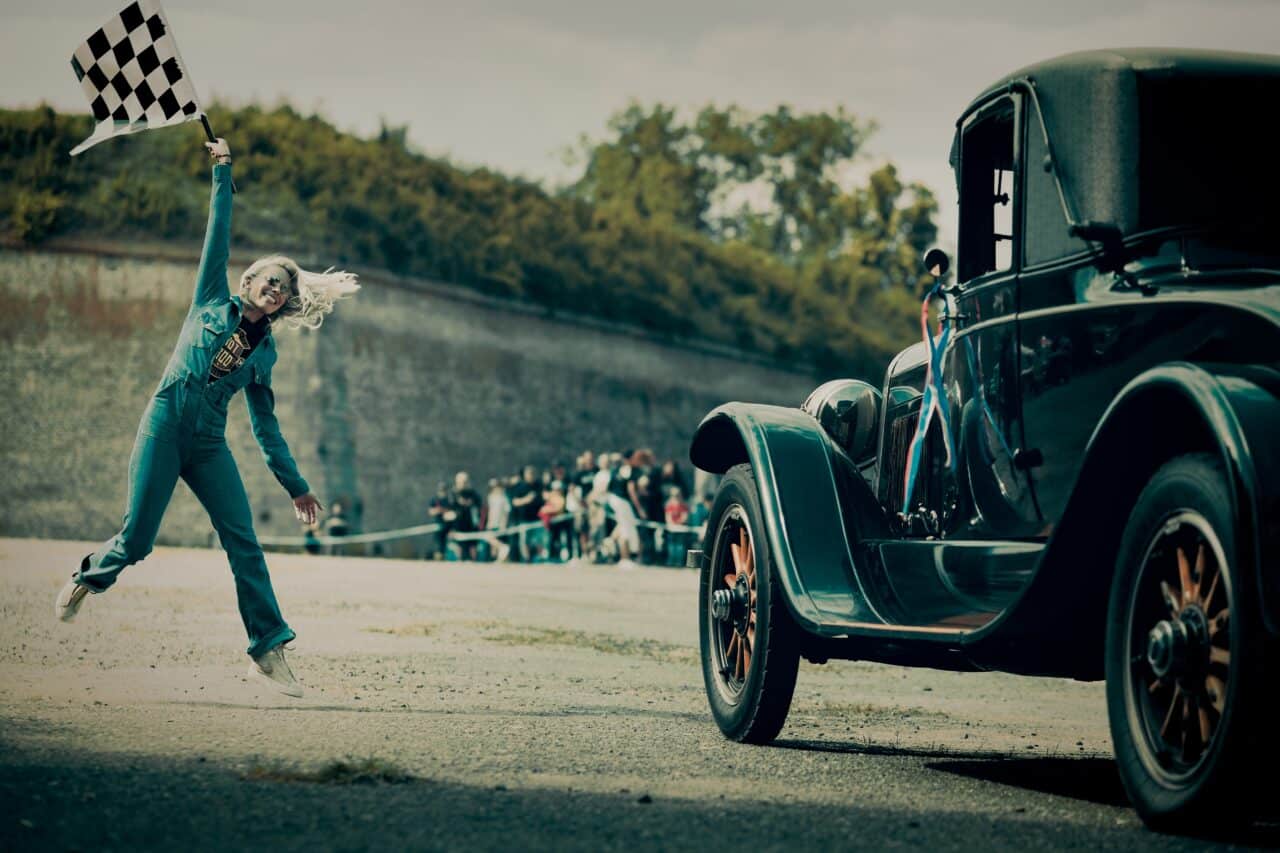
(132,74)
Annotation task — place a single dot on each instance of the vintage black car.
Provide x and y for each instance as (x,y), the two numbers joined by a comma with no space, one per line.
(1076,472)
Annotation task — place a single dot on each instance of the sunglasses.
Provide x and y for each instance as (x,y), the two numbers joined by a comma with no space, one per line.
(278,284)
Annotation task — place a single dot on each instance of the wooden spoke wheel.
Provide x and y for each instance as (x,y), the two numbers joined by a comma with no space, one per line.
(1187,655)
(1180,645)
(749,645)
(733,601)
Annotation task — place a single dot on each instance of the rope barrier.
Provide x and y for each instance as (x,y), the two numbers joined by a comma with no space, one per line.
(668,526)
(453,536)
(506,531)
(355,538)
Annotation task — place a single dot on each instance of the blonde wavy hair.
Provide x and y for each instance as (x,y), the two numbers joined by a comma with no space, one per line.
(313,296)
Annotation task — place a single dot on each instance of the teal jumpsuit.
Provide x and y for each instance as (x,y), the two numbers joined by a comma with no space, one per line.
(182,434)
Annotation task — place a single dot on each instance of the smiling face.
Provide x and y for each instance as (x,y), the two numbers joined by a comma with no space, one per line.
(270,289)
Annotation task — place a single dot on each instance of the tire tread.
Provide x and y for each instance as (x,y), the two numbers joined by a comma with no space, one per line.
(777,671)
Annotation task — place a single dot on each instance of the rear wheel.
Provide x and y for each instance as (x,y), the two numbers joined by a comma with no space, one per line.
(1186,656)
(749,650)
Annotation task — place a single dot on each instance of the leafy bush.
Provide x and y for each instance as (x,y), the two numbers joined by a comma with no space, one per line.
(34,215)
(333,198)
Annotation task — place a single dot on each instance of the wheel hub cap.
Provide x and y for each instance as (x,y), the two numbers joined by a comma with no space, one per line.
(721,604)
(732,605)
(1167,649)
(1179,647)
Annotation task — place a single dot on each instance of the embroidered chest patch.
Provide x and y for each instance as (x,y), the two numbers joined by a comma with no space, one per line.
(231,355)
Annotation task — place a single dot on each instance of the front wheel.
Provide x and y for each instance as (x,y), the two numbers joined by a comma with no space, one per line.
(749,646)
(1186,656)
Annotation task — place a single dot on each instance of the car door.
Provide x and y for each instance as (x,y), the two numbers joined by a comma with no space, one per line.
(985,494)
(954,565)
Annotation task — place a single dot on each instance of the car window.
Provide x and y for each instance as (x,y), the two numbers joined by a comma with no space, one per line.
(987,189)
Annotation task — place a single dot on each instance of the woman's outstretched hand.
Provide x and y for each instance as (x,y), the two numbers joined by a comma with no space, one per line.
(219,150)
(307,508)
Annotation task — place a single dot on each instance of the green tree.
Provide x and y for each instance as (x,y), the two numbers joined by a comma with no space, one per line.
(773,181)
(650,168)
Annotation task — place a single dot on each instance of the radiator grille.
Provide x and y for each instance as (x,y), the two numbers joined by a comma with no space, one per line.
(901,431)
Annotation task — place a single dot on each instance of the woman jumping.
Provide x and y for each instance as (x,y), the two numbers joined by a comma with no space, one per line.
(226,344)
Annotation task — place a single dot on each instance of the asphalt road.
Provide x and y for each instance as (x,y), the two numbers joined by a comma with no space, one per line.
(463,706)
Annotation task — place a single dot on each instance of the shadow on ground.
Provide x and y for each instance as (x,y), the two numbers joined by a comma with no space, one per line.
(1094,780)
(120,802)
(1088,779)
(870,747)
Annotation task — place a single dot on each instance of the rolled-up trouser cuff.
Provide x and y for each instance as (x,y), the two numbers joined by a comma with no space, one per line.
(78,576)
(270,641)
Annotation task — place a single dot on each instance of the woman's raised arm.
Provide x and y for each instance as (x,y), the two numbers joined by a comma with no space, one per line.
(211,279)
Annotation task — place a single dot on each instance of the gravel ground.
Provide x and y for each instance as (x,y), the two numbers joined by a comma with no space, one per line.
(454,705)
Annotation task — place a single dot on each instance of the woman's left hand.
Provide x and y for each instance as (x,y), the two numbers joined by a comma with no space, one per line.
(307,507)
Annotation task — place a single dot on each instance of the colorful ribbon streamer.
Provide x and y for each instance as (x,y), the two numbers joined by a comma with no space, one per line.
(934,401)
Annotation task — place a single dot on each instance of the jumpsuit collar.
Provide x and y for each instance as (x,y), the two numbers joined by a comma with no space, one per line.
(237,311)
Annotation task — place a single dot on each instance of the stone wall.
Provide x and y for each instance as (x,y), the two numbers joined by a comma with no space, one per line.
(402,387)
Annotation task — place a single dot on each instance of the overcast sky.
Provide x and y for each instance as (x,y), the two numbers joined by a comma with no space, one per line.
(509,84)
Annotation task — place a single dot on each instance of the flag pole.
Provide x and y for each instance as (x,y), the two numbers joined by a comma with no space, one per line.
(208,131)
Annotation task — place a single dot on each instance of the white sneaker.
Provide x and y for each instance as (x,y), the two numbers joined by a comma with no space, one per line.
(68,602)
(271,669)
(628,565)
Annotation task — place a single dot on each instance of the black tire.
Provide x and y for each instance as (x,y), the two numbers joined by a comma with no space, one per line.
(1175,668)
(749,705)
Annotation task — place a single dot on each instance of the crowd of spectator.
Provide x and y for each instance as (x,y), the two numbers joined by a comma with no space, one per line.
(621,507)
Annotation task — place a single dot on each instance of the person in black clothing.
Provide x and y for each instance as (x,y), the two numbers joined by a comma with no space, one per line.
(644,498)
(311,538)
(561,529)
(585,473)
(336,526)
(622,475)
(670,475)
(583,479)
(526,500)
(465,503)
(525,495)
(652,495)
(440,511)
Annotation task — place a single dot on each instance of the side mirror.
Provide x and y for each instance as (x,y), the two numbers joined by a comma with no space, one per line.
(1112,256)
(937,262)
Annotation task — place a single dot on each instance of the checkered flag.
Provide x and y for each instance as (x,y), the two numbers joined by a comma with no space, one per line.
(132,74)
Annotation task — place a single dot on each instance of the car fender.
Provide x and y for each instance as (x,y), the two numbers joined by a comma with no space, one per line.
(817,508)
(1232,411)
(1252,395)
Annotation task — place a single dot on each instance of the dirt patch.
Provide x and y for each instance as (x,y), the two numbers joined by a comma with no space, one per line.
(365,771)
(868,709)
(607,643)
(417,629)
